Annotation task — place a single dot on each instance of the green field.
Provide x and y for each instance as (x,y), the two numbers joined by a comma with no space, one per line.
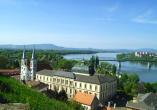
(14,92)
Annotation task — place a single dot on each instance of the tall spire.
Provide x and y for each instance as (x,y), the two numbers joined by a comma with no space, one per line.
(24,53)
(33,54)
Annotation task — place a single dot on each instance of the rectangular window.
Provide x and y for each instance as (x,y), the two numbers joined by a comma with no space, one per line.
(70,91)
(66,82)
(85,86)
(58,80)
(54,79)
(75,84)
(80,85)
(90,87)
(71,83)
(62,81)
(96,88)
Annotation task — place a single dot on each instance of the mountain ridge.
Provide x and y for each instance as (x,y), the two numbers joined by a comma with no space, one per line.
(55,47)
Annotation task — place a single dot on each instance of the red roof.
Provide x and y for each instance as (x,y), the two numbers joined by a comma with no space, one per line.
(9,72)
(84,98)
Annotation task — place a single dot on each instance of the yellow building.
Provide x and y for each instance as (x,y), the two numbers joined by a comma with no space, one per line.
(101,86)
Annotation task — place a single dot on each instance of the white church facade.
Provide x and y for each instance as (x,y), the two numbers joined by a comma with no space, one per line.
(28,72)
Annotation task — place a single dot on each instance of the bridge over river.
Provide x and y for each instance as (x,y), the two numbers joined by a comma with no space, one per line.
(101,59)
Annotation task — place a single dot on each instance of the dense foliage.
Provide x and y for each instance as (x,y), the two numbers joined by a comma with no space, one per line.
(11,59)
(12,91)
(62,96)
(131,85)
(107,68)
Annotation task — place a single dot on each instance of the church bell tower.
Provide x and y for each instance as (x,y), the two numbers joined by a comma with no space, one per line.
(33,65)
(24,75)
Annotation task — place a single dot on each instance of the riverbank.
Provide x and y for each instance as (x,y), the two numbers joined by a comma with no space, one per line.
(145,74)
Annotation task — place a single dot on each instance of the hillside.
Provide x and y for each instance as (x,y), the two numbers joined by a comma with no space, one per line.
(12,91)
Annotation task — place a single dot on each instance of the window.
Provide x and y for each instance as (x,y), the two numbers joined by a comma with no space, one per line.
(47,79)
(44,78)
(58,80)
(66,82)
(75,84)
(96,88)
(85,86)
(70,91)
(90,87)
(80,85)
(62,81)
(54,79)
(66,89)
(71,83)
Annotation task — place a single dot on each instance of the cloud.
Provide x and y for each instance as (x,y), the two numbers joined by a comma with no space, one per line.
(108,13)
(146,17)
(112,8)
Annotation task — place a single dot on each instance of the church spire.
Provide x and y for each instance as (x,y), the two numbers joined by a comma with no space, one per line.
(33,54)
(24,53)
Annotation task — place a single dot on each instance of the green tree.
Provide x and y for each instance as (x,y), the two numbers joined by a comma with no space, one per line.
(4,62)
(62,95)
(114,69)
(96,62)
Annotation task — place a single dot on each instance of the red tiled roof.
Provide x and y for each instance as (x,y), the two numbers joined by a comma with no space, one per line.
(84,98)
(9,72)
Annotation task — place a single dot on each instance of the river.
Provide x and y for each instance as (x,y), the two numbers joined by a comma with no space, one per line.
(144,73)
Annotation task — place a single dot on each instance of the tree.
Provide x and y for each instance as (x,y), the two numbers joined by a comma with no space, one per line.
(66,64)
(114,69)
(96,62)
(92,61)
(91,70)
(4,61)
(62,95)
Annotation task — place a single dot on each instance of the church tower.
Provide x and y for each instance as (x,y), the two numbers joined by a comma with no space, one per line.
(25,74)
(33,65)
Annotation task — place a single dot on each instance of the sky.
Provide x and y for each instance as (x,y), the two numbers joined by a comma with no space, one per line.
(103,24)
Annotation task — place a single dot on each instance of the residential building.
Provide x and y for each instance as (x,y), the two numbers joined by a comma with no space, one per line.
(102,86)
(141,54)
(146,101)
(88,101)
(9,72)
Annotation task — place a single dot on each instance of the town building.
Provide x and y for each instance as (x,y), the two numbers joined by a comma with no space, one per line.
(146,101)
(101,86)
(9,72)
(142,54)
(88,101)
(28,72)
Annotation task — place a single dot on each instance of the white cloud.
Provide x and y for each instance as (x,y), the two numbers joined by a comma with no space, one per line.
(146,17)
(112,8)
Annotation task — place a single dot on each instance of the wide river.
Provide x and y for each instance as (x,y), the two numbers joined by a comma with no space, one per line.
(144,73)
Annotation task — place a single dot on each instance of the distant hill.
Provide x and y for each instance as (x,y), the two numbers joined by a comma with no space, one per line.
(55,47)
(30,46)
(45,47)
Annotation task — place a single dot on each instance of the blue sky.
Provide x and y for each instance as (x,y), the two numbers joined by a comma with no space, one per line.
(104,24)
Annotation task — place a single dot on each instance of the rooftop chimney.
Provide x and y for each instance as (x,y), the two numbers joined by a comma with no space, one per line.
(115,106)
(109,104)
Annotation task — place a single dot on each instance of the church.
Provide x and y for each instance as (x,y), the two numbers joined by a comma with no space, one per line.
(28,72)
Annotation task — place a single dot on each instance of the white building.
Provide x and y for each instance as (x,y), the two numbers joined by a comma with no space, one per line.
(28,73)
(101,86)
